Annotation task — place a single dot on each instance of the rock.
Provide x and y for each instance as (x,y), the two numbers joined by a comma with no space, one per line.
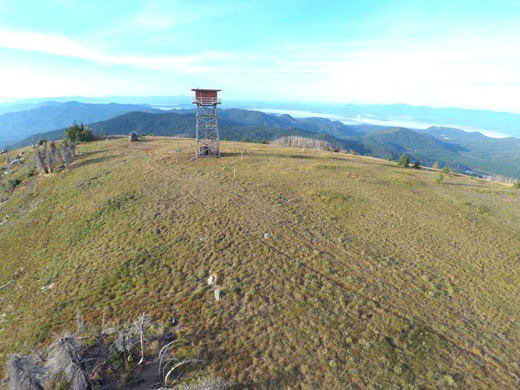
(47,287)
(217,294)
(211,280)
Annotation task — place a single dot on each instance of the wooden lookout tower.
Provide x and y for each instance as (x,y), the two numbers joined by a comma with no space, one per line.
(208,142)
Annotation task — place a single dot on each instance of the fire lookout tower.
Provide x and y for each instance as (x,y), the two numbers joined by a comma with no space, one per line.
(208,142)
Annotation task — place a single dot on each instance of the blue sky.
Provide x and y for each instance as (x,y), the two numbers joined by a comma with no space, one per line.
(456,53)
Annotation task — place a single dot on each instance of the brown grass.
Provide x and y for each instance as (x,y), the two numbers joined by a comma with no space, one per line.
(372,276)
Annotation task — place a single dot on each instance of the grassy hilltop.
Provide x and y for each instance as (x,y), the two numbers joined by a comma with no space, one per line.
(371,275)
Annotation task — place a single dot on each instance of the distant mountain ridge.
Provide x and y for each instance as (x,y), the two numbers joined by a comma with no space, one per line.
(403,115)
(49,116)
(498,122)
(461,150)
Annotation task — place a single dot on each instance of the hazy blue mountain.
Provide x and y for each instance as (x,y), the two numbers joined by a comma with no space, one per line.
(501,122)
(17,107)
(138,100)
(14,126)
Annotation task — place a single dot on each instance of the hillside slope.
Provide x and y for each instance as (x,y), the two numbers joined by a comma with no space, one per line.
(398,140)
(499,155)
(337,271)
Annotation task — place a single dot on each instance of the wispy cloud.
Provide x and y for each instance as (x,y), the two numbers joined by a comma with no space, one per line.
(66,47)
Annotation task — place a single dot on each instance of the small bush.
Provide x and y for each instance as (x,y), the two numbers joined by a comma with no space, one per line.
(445,170)
(13,183)
(516,184)
(440,178)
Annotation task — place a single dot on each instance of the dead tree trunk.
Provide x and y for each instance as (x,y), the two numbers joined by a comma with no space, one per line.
(40,164)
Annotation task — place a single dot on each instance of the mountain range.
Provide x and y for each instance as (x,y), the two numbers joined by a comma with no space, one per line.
(463,151)
(50,116)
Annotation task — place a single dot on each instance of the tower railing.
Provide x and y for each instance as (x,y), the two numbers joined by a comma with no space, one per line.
(206,100)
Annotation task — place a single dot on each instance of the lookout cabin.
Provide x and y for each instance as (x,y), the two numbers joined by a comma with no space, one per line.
(206,96)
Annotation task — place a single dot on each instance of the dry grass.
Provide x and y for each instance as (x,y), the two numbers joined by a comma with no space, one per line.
(372,276)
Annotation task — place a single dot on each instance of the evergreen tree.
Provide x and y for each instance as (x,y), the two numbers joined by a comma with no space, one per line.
(404,161)
(79,133)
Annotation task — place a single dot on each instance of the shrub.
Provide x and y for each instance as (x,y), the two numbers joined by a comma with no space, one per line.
(416,165)
(516,184)
(13,183)
(445,170)
(440,178)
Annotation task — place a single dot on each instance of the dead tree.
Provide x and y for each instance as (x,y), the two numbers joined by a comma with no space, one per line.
(68,153)
(75,360)
(170,367)
(60,158)
(56,152)
(7,158)
(24,374)
(128,339)
(50,160)
(38,159)
(66,359)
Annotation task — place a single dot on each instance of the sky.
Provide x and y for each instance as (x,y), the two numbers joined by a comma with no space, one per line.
(439,53)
